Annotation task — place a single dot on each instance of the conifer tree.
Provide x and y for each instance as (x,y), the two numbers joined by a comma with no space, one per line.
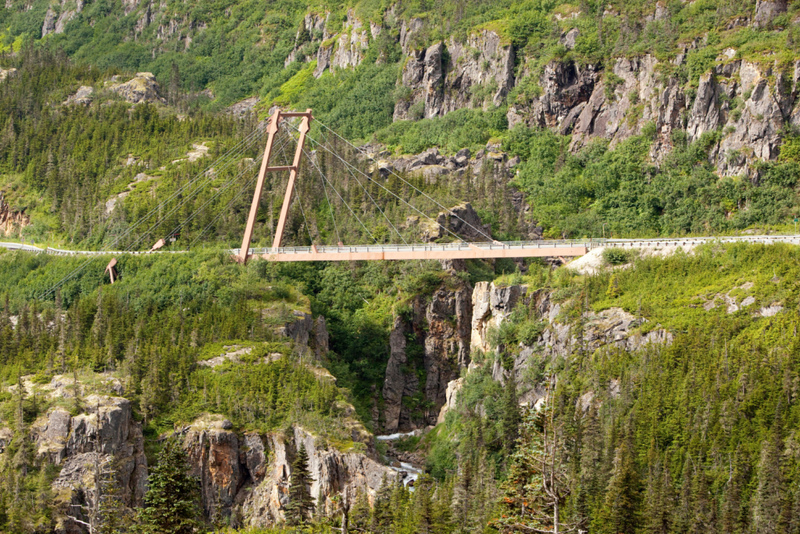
(301,505)
(770,493)
(382,510)
(172,495)
(360,513)
(620,510)
(511,414)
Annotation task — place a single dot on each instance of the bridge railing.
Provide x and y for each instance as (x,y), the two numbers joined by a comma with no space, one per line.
(426,247)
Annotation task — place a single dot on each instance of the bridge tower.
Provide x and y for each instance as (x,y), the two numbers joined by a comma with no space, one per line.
(272,129)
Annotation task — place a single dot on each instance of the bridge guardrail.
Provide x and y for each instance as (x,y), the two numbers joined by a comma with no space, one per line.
(590,244)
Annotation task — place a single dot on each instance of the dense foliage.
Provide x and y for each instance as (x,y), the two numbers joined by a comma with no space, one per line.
(171,502)
(621,193)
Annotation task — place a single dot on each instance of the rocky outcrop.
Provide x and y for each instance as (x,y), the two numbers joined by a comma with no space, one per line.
(5,73)
(560,338)
(332,51)
(461,220)
(103,437)
(428,348)
(348,49)
(246,476)
(750,103)
(11,221)
(309,334)
(83,97)
(566,89)
(453,75)
(141,88)
(766,10)
(55,20)
(491,305)
(243,108)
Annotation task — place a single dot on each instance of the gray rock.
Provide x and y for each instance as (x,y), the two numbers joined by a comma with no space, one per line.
(767,10)
(82,97)
(568,39)
(440,87)
(445,350)
(310,335)
(250,474)
(243,107)
(141,88)
(5,73)
(49,25)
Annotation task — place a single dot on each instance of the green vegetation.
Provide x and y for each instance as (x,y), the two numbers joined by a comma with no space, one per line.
(172,500)
(464,128)
(693,432)
(576,195)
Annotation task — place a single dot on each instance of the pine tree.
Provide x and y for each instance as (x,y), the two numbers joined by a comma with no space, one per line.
(770,493)
(301,505)
(360,514)
(620,510)
(172,495)
(511,414)
(382,510)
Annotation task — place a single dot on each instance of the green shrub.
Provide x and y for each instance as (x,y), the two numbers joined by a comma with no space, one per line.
(615,256)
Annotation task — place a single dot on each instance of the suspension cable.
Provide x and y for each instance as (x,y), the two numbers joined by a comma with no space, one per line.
(231,154)
(448,210)
(222,189)
(328,200)
(376,204)
(346,163)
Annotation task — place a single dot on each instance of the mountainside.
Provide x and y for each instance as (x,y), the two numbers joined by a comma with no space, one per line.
(651,390)
(697,96)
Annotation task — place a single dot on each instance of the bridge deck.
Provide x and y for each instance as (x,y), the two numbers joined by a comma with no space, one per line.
(438,251)
(429,251)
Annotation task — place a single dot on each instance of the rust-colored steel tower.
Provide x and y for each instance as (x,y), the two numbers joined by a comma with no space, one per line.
(275,120)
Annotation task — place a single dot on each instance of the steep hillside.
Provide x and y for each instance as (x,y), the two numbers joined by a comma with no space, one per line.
(690,107)
(654,392)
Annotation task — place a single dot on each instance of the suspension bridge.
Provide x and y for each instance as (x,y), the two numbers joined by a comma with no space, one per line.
(284,129)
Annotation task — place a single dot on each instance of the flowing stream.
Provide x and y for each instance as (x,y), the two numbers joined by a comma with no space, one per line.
(406,470)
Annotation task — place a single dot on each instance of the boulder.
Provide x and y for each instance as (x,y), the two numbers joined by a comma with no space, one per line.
(141,88)
(83,97)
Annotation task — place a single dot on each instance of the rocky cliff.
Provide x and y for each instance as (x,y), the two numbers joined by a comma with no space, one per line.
(11,220)
(245,476)
(560,336)
(429,346)
(748,98)
(103,437)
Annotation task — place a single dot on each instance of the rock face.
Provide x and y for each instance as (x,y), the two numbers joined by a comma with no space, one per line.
(310,335)
(82,97)
(141,88)
(105,433)
(55,20)
(446,77)
(766,10)
(581,101)
(345,50)
(460,220)
(437,353)
(493,304)
(11,221)
(5,73)
(441,333)
(246,477)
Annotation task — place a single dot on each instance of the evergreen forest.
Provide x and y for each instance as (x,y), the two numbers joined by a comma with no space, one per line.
(649,389)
